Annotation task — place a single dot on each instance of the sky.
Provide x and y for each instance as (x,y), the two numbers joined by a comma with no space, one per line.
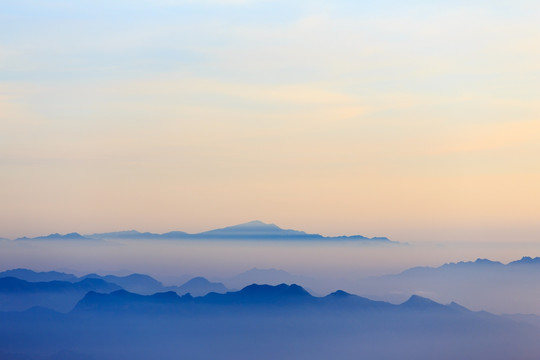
(416,120)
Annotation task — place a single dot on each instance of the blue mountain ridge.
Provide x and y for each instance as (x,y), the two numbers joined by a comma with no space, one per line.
(480,284)
(254,296)
(12,285)
(57,236)
(477,264)
(34,276)
(138,283)
(254,230)
(265,322)
(18,295)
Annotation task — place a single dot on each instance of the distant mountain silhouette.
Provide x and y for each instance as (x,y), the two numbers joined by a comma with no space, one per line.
(343,301)
(138,283)
(199,286)
(174,235)
(12,285)
(479,284)
(56,236)
(253,230)
(125,301)
(17,294)
(266,276)
(128,234)
(479,264)
(147,285)
(526,260)
(122,300)
(262,294)
(133,234)
(32,276)
(421,303)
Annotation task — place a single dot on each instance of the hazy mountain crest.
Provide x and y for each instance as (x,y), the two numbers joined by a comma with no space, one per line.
(252,230)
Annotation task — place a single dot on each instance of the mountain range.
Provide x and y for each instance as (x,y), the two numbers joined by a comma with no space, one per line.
(263,322)
(275,297)
(18,295)
(21,289)
(480,284)
(57,236)
(145,284)
(253,230)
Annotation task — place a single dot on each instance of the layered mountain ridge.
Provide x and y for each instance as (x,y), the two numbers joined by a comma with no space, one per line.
(260,321)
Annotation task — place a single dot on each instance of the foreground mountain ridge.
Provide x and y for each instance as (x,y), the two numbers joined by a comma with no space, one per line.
(263,322)
(252,296)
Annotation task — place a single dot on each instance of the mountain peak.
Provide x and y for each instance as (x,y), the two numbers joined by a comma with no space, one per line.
(339,294)
(252,230)
(200,286)
(485,261)
(262,294)
(255,223)
(276,291)
(197,281)
(458,307)
(419,302)
(70,236)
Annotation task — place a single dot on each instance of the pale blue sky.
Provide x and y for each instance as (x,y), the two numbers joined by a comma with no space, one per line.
(399,118)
